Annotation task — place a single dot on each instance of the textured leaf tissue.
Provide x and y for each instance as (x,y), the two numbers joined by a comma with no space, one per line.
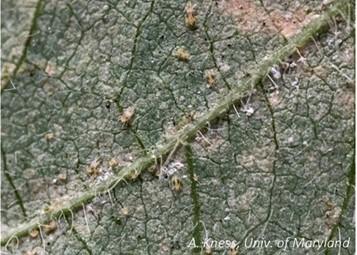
(177,127)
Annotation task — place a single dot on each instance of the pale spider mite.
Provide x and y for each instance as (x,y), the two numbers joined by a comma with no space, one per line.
(190,16)
(210,78)
(176,183)
(49,136)
(275,71)
(127,115)
(30,252)
(34,233)
(124,211)
(50,227)
(62,177)
(48,208)
(190,116)
(182,54)
(113,163)
(133,175)
(94,169)
(233,250)
(208,251)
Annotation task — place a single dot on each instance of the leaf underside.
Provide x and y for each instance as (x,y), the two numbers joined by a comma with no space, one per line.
(251,136)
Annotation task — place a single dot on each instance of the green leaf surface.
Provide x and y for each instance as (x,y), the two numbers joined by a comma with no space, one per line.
(114,143)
